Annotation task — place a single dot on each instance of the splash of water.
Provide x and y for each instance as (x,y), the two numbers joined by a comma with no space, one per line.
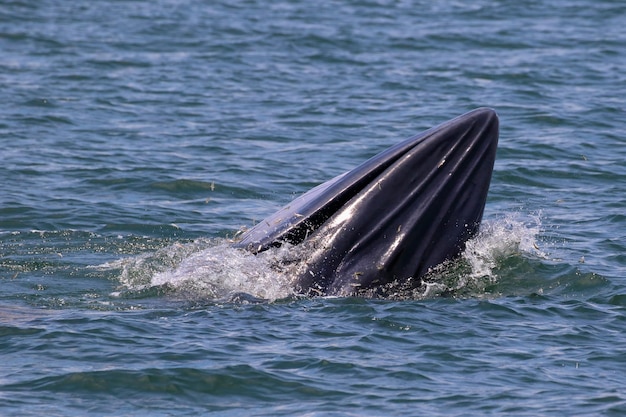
(503,238)
(213,269)
(498,239)
(221,271)
(206,269)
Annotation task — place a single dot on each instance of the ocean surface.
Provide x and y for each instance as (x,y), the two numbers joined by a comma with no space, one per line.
(138,137)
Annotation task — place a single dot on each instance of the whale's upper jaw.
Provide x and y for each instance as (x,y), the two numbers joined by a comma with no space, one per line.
(393,217)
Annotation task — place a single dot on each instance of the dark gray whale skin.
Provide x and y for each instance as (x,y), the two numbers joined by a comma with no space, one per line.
(395,216)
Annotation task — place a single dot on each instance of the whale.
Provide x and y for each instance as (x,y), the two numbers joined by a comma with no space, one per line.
(394,218)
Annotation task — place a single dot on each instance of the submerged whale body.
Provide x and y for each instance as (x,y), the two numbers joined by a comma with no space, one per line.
(392,218)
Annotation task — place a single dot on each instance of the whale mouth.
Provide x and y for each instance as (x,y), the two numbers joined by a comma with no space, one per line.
(395,216)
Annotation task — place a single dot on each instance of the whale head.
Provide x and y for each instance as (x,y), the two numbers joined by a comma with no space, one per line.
(395,216)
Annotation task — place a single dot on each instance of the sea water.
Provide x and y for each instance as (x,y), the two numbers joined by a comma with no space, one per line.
(138,138)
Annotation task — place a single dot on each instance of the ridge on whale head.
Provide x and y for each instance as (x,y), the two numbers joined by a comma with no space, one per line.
(393,217)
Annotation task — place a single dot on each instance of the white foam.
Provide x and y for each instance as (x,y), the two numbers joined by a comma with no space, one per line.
(500,238)
(221,270)
(208,269)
